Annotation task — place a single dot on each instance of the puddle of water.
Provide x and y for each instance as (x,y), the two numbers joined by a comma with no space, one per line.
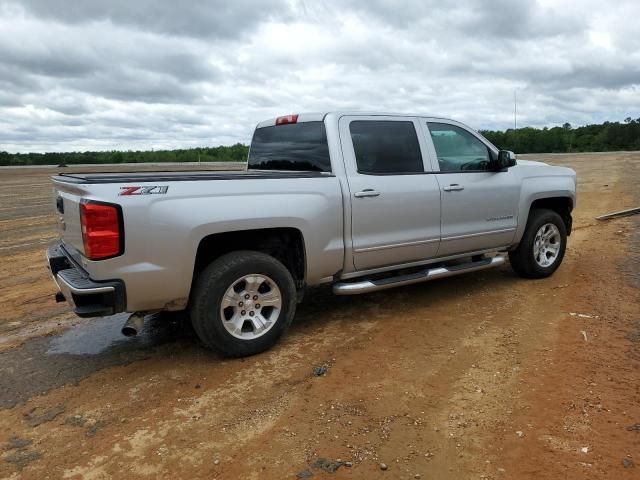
(44,363)
(90,338)
(102,334)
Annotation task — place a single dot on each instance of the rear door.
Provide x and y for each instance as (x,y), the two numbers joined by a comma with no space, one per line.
(395,200)
(479,206)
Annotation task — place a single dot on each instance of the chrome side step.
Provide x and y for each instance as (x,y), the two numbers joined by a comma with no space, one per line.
(365,286)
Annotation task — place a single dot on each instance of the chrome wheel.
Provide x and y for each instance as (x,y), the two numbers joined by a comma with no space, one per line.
(251,306)
(546,245)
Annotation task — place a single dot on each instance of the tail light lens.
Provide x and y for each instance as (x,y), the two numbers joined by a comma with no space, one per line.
(102,233)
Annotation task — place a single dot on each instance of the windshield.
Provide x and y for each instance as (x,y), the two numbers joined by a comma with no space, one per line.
(299,146)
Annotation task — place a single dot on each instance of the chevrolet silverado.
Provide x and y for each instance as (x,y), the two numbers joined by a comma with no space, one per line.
(361,201)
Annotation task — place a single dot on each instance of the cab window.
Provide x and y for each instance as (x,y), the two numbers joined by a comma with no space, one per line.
(384,147)
(458,149)
(299,147)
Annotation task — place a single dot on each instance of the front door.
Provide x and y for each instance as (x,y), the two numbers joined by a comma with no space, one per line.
(395,202)
(479,206)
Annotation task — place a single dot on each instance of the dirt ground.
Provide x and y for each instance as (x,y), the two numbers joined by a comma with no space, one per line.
(485,375)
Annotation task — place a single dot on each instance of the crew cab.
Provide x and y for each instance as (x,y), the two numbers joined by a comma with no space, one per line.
(361,201)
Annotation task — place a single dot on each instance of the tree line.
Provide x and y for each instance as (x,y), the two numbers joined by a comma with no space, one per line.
(234,153)
(604,137)
(608,136)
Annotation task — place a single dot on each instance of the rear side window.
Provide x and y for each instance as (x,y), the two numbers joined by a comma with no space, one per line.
(299,146)
(386,147)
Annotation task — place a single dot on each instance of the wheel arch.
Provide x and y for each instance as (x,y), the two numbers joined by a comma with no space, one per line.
(562,203)
(563,206)
(283,243)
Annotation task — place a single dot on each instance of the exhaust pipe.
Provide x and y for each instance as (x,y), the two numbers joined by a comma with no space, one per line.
(133,325)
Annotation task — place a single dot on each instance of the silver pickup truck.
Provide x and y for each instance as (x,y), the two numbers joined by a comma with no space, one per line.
(361,201)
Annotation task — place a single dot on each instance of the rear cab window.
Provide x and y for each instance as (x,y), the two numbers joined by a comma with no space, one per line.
(294,147)
(386,147)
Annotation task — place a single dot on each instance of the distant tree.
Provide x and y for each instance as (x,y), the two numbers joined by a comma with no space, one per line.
(568,135)
(596,138)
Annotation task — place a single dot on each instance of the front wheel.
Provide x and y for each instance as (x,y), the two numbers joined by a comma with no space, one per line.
(542,247)
(242,303)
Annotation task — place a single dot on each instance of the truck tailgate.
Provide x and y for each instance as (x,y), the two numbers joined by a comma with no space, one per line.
(67,204)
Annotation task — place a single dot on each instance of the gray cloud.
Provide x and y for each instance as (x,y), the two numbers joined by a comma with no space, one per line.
(163,74)
(188,18)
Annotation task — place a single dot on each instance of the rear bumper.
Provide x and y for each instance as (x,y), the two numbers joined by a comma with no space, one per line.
(87,297)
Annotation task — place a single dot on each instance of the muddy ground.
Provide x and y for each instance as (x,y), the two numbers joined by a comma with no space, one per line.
(480,376)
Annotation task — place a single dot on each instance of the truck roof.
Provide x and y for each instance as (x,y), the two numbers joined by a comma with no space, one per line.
(319,116)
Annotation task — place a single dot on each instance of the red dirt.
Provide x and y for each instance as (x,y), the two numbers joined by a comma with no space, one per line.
(479,376)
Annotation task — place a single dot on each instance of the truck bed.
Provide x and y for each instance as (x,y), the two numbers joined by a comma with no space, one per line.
(184,176)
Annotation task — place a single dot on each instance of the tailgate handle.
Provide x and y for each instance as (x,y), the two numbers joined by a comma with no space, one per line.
(367,192)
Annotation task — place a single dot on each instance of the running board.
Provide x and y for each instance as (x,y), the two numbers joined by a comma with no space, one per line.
(366,286)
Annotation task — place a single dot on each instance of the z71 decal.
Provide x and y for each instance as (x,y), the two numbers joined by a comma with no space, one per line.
(152,190)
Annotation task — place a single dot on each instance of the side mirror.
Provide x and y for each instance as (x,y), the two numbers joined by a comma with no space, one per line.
(506,159)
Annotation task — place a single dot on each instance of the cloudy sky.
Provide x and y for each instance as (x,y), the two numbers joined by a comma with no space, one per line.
(143,74)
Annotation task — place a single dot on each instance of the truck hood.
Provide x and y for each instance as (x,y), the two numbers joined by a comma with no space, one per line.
(532,163)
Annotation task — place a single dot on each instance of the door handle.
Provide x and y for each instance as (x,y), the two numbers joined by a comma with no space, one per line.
(367,192)
(454,187)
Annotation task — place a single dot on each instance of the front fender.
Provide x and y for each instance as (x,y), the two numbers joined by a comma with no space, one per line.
(537,187)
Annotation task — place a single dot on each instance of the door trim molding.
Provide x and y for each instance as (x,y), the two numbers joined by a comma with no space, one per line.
(470,235)
(395,245)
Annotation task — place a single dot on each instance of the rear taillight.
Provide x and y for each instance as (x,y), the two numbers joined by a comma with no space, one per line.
(102,233)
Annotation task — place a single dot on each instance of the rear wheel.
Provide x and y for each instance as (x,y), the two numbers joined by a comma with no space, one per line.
(542,247)
(242,303)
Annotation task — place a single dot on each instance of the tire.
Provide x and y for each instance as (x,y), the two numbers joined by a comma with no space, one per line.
(228,321)
(534,258)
